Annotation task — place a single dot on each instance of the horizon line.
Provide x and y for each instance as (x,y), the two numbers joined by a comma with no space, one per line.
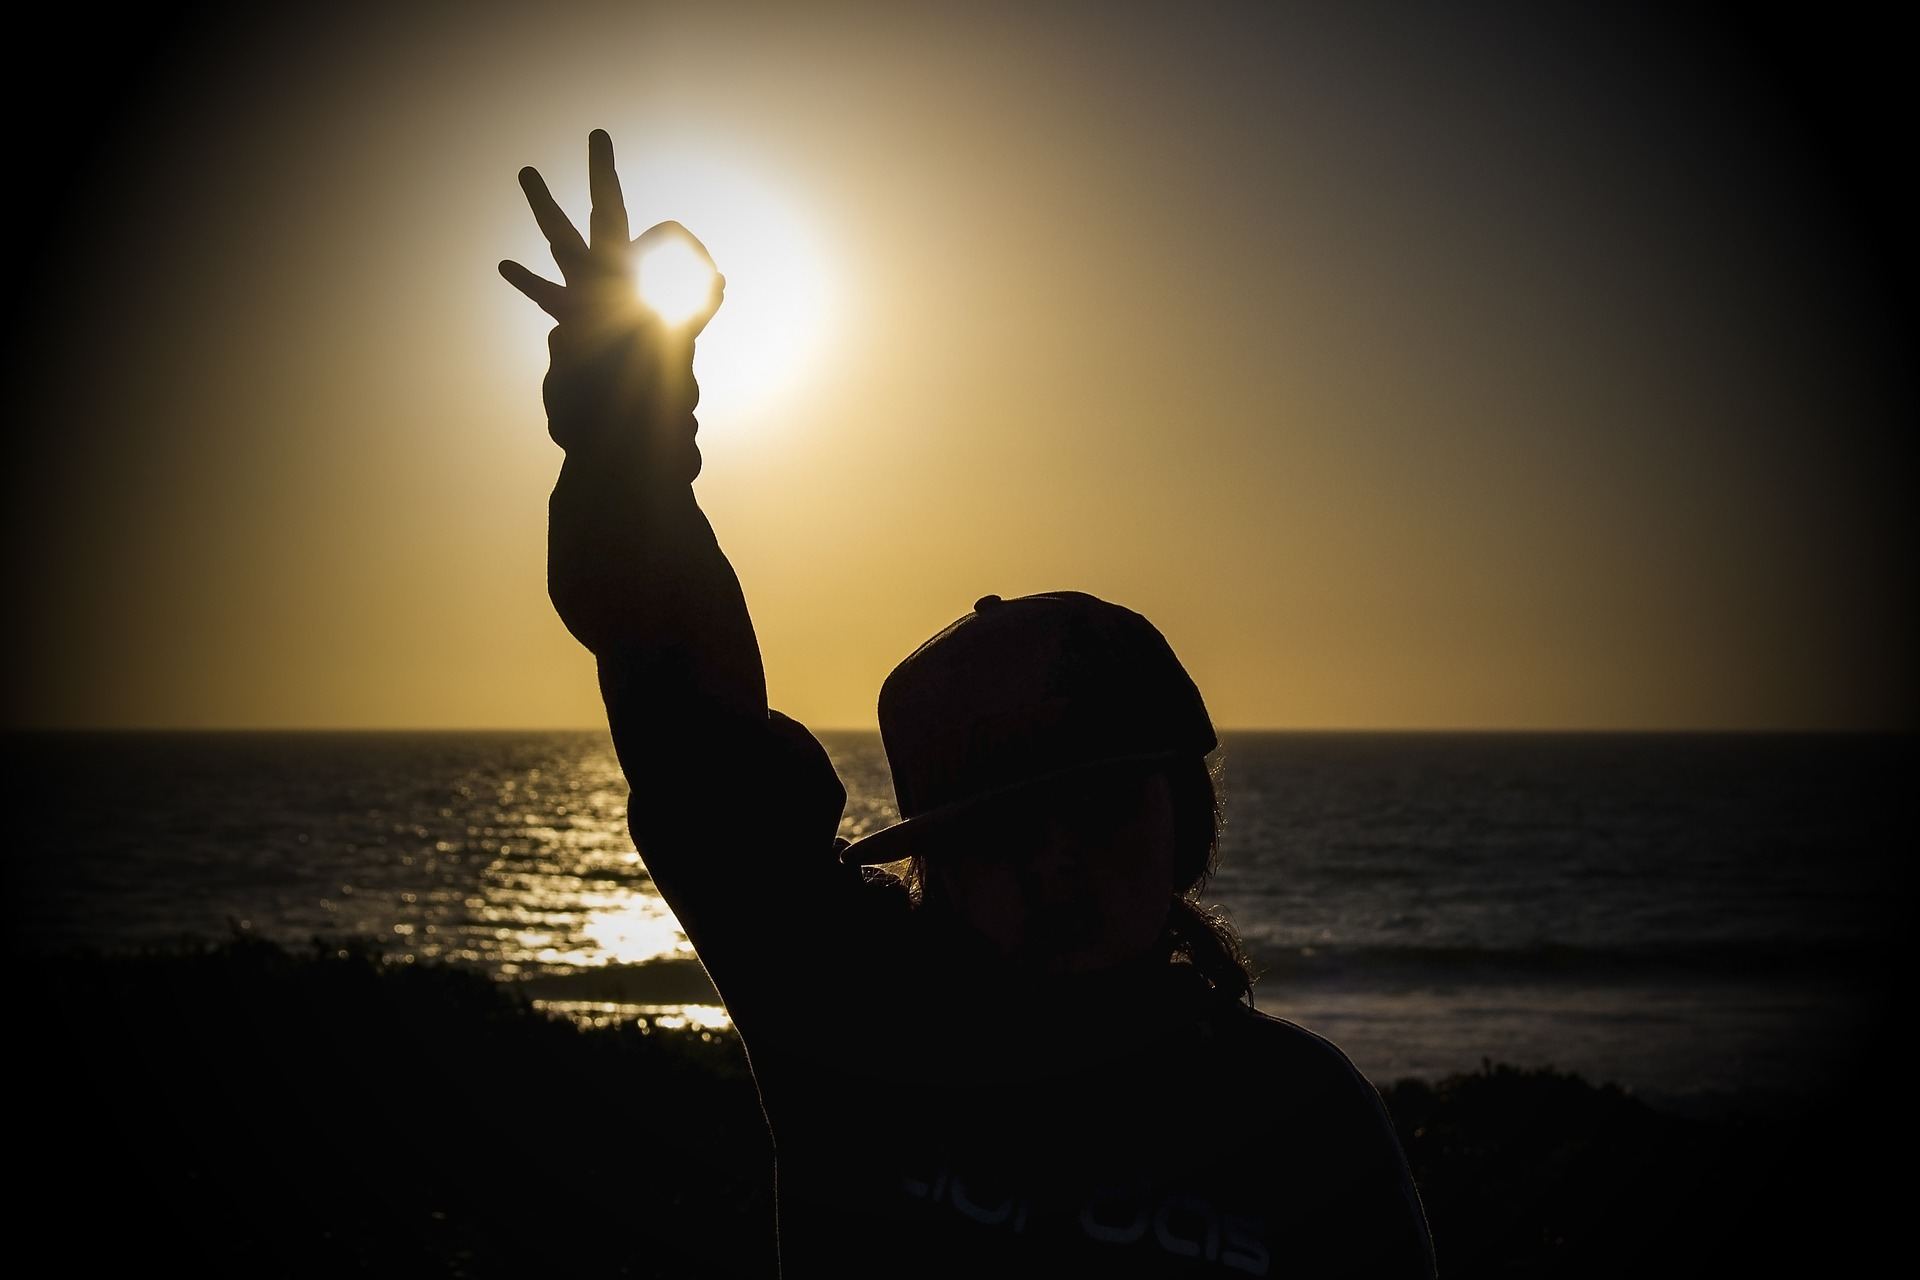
(1351,730)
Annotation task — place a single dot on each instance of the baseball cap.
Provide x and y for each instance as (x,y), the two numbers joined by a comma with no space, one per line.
(1020,695)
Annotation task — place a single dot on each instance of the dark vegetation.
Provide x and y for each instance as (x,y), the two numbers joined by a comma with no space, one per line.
(237,1108)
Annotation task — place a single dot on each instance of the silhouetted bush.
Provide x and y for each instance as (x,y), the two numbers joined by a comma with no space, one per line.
(253,1110)
(1538,1173)
(241,1108)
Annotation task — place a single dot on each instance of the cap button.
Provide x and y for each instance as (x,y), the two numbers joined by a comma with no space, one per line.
(984,603)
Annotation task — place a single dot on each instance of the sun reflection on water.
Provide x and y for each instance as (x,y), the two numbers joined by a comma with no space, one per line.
(703,1018)
(586,910)
(505,852)
(629,929)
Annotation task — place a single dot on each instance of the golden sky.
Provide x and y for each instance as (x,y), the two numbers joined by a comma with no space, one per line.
(1408,371)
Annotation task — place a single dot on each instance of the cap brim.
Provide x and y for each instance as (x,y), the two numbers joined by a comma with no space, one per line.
(891,844)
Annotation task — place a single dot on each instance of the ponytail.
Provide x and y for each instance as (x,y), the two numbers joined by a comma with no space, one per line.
(1196,935)
(1209,944)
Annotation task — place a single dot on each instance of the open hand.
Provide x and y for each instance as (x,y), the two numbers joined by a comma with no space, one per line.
(599,274)
(620,374)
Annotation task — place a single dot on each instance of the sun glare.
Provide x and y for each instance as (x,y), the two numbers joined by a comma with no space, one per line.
(774,324)
(674,281)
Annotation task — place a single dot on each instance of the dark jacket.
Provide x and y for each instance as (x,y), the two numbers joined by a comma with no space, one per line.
(931,1114)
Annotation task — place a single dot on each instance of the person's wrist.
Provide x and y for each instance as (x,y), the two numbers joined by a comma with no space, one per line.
(621,389)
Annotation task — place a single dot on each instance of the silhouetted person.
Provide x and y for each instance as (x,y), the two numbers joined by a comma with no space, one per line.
(1029,1055)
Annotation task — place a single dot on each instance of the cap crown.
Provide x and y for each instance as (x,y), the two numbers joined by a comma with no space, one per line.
(1022,689)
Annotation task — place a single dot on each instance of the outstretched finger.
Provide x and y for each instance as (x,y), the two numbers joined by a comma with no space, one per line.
(609,220)
(569,250)
(548,296)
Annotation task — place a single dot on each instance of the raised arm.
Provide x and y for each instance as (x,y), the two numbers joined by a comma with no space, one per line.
(633,566)
(638,577)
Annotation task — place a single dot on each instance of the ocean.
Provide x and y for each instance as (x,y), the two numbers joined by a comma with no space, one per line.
(1688,916)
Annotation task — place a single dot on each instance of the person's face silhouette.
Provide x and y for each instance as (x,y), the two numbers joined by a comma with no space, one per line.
(1074,881)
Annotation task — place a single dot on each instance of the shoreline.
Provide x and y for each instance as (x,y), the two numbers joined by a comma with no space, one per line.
(1706,1045)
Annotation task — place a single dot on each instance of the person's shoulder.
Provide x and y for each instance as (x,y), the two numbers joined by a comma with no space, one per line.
(1344,1116)
(1308,1060)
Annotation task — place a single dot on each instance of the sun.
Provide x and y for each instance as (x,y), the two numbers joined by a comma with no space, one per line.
(674,281)
(777,318)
